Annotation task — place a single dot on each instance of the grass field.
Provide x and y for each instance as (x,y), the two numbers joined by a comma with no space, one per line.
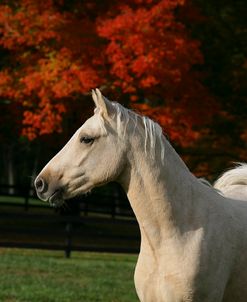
(46,276)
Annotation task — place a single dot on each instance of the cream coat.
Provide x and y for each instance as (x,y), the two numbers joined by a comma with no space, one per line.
(193,239)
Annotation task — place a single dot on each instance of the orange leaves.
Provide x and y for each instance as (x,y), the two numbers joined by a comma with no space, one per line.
(58,55)
(49,65)
(31,24)
(147,46)
(58,78)
(151,53)
(5,78)
(58,75)
(46,120)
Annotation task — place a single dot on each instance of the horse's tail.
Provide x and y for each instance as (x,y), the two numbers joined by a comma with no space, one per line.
(233,183)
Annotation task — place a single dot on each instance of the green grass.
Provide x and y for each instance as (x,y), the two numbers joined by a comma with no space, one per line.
(45,276)
(21,200)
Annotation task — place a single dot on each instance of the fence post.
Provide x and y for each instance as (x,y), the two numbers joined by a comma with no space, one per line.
(26,196)
(68,240)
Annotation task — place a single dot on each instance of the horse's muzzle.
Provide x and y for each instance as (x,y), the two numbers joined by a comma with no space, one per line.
(52,193)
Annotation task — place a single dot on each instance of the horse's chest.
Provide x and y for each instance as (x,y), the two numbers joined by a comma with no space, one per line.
(157,289)
(153,285)
(148,287)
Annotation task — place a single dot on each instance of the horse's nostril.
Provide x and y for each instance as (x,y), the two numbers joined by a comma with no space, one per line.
(40,185)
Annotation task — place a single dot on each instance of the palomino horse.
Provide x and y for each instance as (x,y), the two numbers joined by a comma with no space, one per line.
(193,240)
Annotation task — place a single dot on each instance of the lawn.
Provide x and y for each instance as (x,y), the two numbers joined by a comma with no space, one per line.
(46,276)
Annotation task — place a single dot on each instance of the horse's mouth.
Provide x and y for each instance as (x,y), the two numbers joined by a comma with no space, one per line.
(56,199)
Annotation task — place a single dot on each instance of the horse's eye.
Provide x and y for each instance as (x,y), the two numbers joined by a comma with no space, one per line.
(87,140)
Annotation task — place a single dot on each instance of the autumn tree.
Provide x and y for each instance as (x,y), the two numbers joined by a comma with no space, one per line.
(147,54)
(155,61)
(44,71)
(48,65)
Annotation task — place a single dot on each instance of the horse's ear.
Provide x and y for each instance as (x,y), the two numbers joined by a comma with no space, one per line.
(103,106)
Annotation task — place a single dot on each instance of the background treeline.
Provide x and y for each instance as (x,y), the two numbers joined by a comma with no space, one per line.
(181,62)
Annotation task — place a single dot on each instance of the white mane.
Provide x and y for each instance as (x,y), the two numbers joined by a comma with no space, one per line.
(152,131)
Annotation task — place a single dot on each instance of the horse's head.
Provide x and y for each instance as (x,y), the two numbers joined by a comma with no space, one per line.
(94,155)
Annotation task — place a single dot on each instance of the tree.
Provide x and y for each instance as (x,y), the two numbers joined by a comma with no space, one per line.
(148,54)
(46,73)
(155,61)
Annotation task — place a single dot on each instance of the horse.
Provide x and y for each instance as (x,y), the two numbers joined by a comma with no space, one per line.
(193,239)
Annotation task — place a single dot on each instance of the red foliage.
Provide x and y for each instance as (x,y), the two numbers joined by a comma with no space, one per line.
(46,70)
(150,51)
(137,46)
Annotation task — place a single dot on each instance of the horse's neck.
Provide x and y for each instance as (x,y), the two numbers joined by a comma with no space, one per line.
(162,195)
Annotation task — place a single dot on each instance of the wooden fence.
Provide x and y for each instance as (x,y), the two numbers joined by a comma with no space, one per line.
(102,221)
